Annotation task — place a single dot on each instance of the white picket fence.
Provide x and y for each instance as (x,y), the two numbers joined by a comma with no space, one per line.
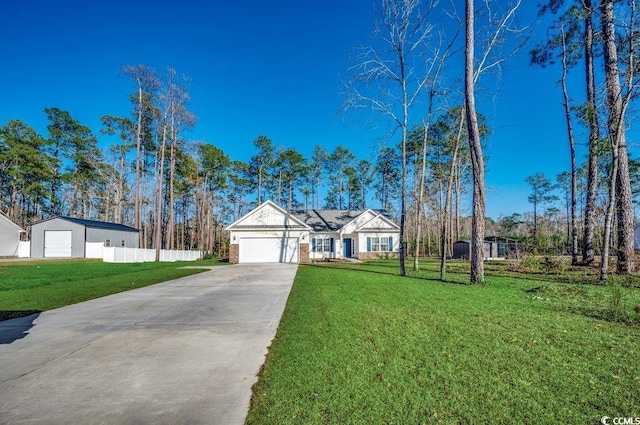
(112,254)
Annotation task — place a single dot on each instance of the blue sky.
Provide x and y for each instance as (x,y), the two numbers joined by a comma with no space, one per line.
(258,67)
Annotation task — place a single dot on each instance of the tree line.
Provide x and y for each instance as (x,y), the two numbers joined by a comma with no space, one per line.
(400,76)
(179,193)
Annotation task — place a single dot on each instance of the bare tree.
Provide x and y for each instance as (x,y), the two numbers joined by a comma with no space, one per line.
(447,202)
(179,119)
(146,86)
(402,28)
(572,148)
(433,75)
(472,72)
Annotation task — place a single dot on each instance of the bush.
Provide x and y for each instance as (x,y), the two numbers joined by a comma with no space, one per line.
(617,302)
(553,265)
(530,263)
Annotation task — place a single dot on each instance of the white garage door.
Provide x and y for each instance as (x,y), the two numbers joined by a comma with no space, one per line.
(57,243)
(269,250)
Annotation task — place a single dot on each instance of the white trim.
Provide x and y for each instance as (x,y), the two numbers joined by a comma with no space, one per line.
(357,217)
(385,219)
(261,206)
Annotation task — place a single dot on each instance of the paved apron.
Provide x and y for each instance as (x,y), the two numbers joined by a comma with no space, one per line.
(181,352)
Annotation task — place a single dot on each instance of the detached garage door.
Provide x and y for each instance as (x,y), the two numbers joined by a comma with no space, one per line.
(269,250)
(57,243)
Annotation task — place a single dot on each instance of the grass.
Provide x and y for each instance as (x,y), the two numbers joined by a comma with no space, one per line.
(35,286)
(359,345)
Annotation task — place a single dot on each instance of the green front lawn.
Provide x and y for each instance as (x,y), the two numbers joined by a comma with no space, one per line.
(35,286)
(359,345)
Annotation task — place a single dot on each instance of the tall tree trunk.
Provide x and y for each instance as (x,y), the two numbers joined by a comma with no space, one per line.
(159,201)
(423,171)
(290,200)
(608,221)
(617,108)
(457,208)
(137,202)
(403,195)
(447,202)
(420,200)
(477,160)
(572,149)
(172,172)
(260,184)
(588,253)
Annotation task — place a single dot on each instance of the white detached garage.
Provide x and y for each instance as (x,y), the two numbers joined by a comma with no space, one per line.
(268,234)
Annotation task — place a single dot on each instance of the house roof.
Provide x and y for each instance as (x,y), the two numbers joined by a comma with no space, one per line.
(290,221)
(94,223)
(11,223)
(314,220)
(330,220)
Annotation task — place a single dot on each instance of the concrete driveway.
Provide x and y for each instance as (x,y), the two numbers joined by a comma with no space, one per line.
(181,352)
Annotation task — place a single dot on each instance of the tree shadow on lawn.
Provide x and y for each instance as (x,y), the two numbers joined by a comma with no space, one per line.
(542,277)
(538,277)
(15,325)
(359,268)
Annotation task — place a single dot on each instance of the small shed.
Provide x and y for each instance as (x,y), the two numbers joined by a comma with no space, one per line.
(462,249)
(66,237)
(9,237)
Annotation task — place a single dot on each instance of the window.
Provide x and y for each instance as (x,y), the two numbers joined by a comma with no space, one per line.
(380,244)
(107,242)
(322,244)
(384,244)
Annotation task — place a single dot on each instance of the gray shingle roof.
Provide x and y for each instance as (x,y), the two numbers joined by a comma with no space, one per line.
(326,220)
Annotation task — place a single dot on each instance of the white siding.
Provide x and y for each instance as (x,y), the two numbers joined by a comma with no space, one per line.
(377,223)
(323,255)
(9,237)
(358,222)
(362,240)
(266,215)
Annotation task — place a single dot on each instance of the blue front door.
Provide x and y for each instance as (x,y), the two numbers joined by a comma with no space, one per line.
(346,246)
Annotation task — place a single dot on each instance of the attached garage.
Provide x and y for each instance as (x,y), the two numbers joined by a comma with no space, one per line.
(66,237)
(269,250)
(57,243)
(268,234)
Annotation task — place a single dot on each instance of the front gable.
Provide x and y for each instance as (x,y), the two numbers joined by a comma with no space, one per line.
(359,221)
(377,224)
(267,216)
(369,220)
